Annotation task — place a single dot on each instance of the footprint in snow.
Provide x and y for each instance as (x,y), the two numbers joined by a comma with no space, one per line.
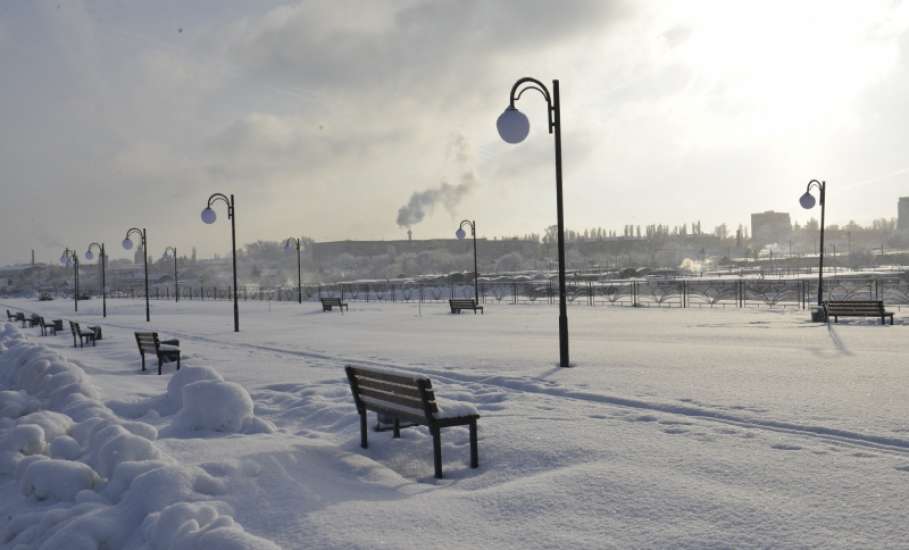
(643,418)
(786,447)
(861,454)
(675,431)
(726,431)
(903,468)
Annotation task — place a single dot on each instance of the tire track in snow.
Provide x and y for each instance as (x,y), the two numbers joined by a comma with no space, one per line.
(523,385)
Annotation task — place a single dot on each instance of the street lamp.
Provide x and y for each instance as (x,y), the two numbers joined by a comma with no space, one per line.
(460,234)
(69,256)
(807,201)
(143,241)
(209,217)
(287,247)
(513,127)
(102,264)
(173,250)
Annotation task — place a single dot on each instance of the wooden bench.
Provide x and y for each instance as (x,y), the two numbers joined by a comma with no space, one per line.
(167,351)
(21,318)
(47,327)
(34,320)
(82,335)
(856,308)
(10,317)
(410,399)
(458,305)
(328,303)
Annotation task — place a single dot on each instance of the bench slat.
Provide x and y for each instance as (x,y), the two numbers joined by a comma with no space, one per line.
(410,391)
(394,378)
(412,403)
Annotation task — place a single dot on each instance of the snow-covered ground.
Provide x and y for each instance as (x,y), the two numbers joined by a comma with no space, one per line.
(677,428)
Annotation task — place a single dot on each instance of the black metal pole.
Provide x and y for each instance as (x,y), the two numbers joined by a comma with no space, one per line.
(476,272)
(563,309)
(820,272)
(76,281)
(233,240)
(145,263)
(103,281)
(299,275)
(176,285)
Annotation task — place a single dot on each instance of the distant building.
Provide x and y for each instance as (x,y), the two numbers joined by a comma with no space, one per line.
(902,221)
(770,227)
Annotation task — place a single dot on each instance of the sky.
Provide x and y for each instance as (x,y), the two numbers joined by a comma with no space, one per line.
(324,118)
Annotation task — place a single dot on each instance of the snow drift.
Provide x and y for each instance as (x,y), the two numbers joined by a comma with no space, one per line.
(98,481)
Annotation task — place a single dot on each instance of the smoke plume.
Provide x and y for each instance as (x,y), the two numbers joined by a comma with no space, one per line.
(449,196)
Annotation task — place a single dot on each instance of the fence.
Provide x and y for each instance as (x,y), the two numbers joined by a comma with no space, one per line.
(680,293)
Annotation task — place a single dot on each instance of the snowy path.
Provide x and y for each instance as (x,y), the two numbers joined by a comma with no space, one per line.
(685,429)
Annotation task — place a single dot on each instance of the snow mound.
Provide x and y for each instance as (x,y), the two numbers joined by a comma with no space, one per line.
(57,479)
(111,486)
(217,406)
(14,404)
(186,376)
(198,525)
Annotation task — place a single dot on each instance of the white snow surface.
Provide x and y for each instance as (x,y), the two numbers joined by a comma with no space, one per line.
(675,428)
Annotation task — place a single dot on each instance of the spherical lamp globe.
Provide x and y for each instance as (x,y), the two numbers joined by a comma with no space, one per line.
(127,244)
(208,215)
(807,201)
(513,125)
(460,234)
(88,255)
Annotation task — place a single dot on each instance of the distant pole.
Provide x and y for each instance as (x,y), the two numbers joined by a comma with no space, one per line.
(173,250)
(807,201)
(209,216)
(298,243)
(102,264)
(476,273)
(128,244)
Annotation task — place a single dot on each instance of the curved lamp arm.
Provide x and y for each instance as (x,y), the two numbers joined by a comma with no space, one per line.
(137,231)
(293,240)
(94,245)
(471,224)
(172,250)
(222,197)
(529,83)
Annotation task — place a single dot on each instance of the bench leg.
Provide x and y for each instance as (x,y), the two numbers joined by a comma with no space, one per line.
(397,429)
(178,361)
(143,361)
(437,450)
(474,453)
(363,442)
(159,365)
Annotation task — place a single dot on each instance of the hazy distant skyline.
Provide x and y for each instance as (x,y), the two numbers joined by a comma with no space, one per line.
(325,117)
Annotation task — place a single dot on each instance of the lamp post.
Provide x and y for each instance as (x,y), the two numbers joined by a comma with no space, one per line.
(299,244)
(173,250)
(69,255)
(209,217)
(102,264)
(127,245)
(807,201)
(460,234)
(513,127)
